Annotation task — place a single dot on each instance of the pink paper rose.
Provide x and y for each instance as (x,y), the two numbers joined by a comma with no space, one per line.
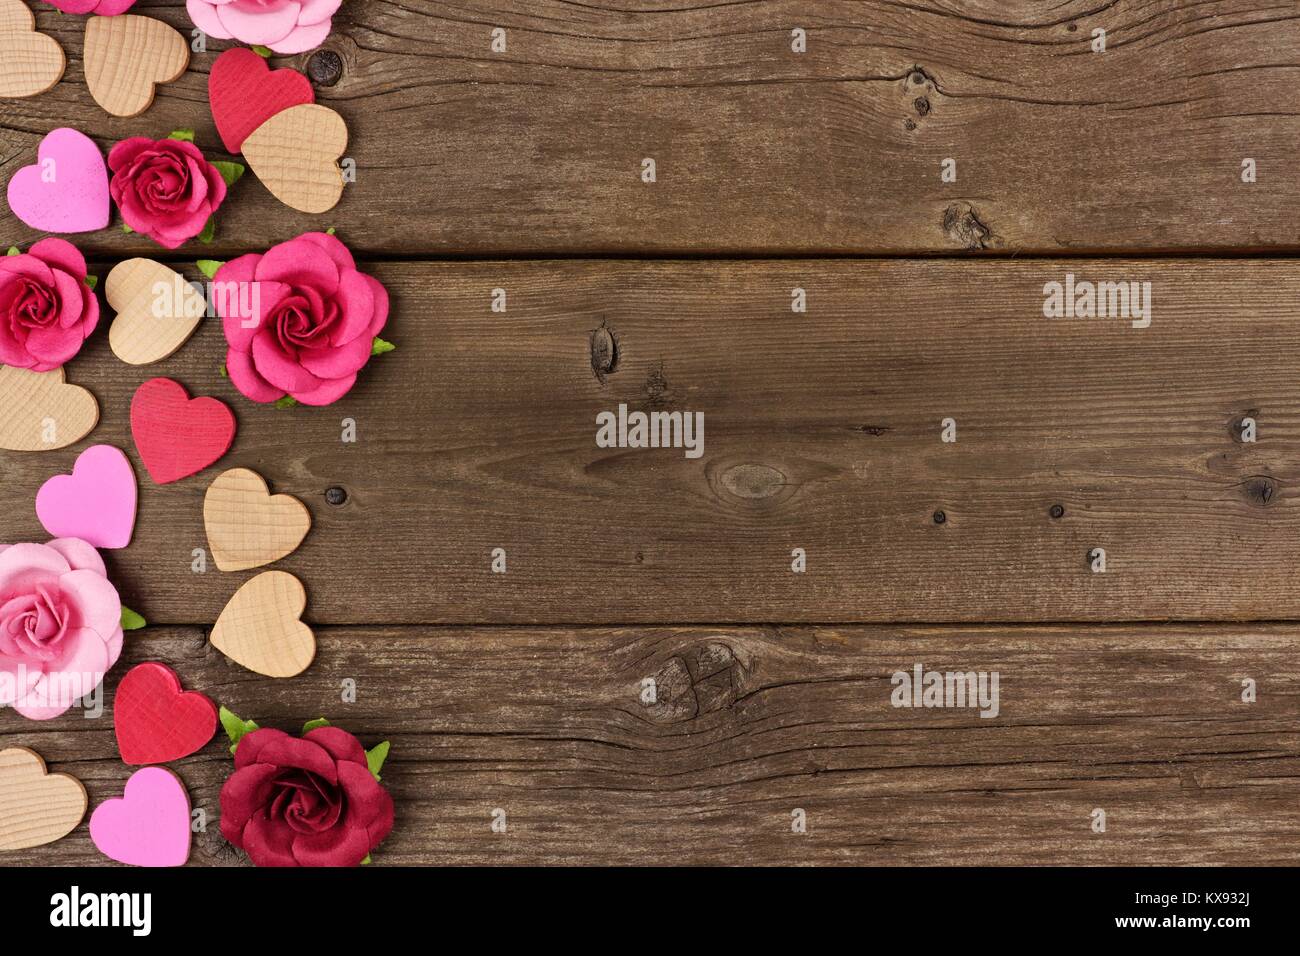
(308,325)
(60,625)
(286,26)
(164,188)
(46,309)
(101,8)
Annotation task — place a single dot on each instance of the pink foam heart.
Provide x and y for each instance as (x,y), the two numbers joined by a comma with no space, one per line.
(149,825)
(67,190)
(95,503)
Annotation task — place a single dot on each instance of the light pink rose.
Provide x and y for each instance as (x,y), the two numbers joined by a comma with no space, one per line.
(60,625)
(286,26)
(101,8)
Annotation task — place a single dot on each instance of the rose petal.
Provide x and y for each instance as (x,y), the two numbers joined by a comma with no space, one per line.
(332,363)
(286,751)
(268,842)
(95,599)
(333,248)
(367,802)
(340,846)
(302,39)
(23,566)
(300,263)
(204,15)
(61,254)
(244,794)
(251,744)
(340,745)
(239,366)
(277,368)
(328,392)
(256,23)
(316,11)
(80,555)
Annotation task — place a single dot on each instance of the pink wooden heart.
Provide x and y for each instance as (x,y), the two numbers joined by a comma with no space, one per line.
(149,825)
(95,503)
(67,189)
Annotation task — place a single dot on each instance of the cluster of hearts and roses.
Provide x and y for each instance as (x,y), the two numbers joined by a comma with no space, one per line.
(301,321)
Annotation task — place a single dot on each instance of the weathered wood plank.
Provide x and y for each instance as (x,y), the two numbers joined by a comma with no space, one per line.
(822,433)
(462,151)
(749,724)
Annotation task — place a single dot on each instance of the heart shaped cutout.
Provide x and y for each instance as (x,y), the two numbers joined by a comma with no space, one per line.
(260,627)
(295,154)
(39,411)
(66,190)
(36,807)
(157,310)
(127,57)
(178,436)
(95,503)
(149,825)
(157,722)
(244,93)
(248,526)
(30,62)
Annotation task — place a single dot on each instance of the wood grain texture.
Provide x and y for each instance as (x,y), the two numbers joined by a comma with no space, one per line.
(295,154)
(36,807)
(822,432)
(42,411)
(260,628)
(151,323)
(246,525)
(126,57)
(538,150)
(752,723)
(30,62)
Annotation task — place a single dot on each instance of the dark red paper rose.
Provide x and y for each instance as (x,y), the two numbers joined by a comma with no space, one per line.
(164,188)
(304,801)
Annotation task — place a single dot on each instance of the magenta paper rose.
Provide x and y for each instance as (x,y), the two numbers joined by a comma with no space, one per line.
(101,8)
(46,309)
(286,26)
(60,625)
(164,188)
(300,321)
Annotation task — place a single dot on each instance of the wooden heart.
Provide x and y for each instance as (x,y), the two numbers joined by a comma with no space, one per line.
(40,412)
(127,57)
(157,311)
(36,807)
(260,627)
(295,154)
(30,62)
(244,93)
(247,525)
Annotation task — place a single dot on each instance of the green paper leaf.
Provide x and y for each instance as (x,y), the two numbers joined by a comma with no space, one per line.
(366,861)
(375,758)
(92,282)
(263,51)
(209,267)
(13,251)
(126,228)
(287,402)
(230,172)
(225,373)
(313,724)
(209,230)
(184,135)
(380,346)
(329,231)
(131,621)
(236,727)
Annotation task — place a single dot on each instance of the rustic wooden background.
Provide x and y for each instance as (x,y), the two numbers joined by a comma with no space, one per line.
(776,171)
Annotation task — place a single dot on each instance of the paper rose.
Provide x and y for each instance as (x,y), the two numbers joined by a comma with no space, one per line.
(46,308)
(286,26)
(164,188)
(304,801)
(300,320)
(101,8)
(60,625)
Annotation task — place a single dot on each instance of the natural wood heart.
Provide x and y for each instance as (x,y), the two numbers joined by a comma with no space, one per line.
(36,807)
(157,311)
(127,57)
(248,526)
(30,62)
(260,627)
(295,154)
(40,412)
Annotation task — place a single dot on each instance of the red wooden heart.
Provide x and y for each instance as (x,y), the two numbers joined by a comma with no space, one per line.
(178,436)
(155,720)
(244,93)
